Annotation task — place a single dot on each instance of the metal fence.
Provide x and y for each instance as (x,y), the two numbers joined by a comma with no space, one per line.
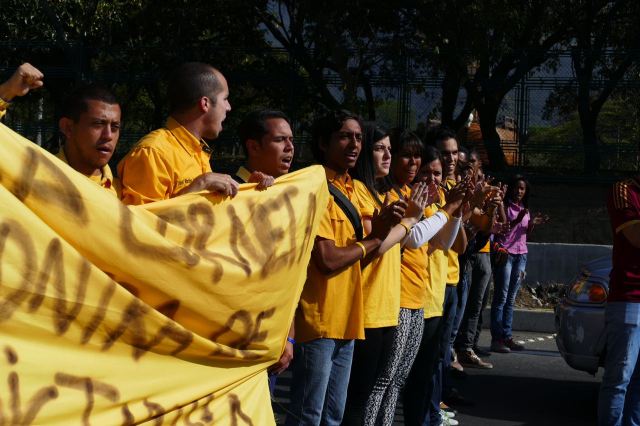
(400,101)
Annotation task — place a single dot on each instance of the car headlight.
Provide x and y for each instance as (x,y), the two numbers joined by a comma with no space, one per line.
(587,292)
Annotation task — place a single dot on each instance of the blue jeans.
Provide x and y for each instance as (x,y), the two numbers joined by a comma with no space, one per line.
(321,370)
(619,402)
(507,279)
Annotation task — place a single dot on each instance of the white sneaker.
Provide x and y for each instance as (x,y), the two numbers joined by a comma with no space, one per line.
(447,414)
(449,422)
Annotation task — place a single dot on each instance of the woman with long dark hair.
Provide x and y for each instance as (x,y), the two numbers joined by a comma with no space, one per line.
(509,271)
(406,158)
(381,277)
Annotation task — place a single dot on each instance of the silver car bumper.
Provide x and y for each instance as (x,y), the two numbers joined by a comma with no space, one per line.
(580,335)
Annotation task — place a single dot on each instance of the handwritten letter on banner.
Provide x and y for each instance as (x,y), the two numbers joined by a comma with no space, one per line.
(163,314)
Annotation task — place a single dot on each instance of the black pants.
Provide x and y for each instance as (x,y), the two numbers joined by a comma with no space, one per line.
(369,358)
(419,387)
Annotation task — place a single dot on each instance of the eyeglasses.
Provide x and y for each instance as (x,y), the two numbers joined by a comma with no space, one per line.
(350,135)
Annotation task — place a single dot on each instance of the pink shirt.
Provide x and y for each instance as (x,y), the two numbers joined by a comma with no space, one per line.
(515,241)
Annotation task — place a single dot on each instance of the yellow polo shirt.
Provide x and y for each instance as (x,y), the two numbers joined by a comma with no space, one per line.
(381,277)
(162,163)
(437,267)
(105,179)
(413,272)
(331,305)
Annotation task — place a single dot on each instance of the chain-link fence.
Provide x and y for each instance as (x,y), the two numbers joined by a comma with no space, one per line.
(536,134)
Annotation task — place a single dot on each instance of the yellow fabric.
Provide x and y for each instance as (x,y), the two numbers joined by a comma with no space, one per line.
(413,271)
(167,313)
(331,305)
(486,248)
(437,267)
(105,180)
(162,163)
(381,277)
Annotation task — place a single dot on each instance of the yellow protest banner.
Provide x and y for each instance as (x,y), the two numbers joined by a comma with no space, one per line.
(167,313)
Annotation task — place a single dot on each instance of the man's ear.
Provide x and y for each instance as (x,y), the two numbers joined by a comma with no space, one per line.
(66,127)
(253,146)
(323,145)
(204,104)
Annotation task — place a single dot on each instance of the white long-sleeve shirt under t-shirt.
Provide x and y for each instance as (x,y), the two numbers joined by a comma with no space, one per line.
(436,229)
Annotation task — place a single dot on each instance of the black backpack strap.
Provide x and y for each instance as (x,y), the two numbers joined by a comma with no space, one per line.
(238,179)
(348,208)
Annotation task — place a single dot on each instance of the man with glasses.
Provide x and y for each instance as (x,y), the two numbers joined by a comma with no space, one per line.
(174,160)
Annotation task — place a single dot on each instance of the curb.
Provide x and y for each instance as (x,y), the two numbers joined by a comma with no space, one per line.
(536,320)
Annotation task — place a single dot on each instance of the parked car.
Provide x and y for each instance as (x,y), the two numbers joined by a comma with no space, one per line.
(579,317)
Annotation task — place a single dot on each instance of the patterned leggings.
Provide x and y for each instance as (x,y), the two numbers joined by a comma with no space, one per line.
(381,405)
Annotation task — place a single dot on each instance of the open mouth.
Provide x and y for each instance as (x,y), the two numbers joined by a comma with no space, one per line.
(104,149)
(287,161)
(352,156)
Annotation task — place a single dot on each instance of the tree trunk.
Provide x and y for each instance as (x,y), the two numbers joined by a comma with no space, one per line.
(488,113)
(588,122)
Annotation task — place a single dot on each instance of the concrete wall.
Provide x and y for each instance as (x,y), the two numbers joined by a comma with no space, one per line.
(559,263)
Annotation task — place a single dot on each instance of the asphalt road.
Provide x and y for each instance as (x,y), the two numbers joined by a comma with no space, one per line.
(534,387)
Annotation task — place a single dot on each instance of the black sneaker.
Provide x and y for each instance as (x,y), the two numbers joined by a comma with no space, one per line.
(513,345)
(499,346)
(481,352)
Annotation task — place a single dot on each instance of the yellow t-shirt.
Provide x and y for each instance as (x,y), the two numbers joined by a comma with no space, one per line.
(437,268)
(453,269)
(331,305)
(162,163)
(105,180)
(381,277)
(413,271)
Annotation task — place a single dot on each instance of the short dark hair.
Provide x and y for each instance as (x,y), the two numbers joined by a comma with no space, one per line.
(324,127)
(190,82)
(254,125)
(76,102)
(440,134)
(405,140)
(430,154)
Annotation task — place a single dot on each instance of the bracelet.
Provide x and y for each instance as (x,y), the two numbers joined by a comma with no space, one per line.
(291,340)
(407,229)
(364,250)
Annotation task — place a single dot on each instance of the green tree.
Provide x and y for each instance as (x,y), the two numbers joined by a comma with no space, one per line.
(485,47)
(603,50)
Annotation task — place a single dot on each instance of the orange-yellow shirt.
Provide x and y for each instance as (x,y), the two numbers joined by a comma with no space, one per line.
(381,277)
(437,268)
(413,271)
(105,179)
(453,269)
(331,305)
(162,163)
